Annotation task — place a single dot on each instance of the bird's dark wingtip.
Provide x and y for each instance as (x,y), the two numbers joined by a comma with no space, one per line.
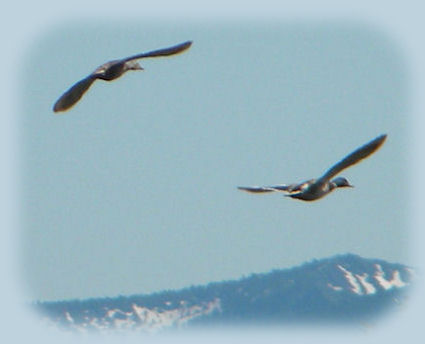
(186,45)
(58,109)
(380,140)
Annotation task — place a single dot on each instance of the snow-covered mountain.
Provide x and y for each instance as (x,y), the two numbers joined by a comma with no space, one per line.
(342,288)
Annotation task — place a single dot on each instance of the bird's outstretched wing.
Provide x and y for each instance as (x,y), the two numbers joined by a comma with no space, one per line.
(353,158)
(73,95)
(263,189)
(175,49)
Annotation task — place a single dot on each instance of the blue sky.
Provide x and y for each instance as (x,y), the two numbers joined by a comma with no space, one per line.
(134,189)
(138,195)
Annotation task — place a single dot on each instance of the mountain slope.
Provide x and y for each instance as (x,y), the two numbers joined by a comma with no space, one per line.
(341,288)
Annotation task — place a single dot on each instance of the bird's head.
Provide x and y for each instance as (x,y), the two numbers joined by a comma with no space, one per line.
(341,182)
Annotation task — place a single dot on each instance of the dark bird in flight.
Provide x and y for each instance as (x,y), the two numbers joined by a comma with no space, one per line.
(314,189)
(110,71)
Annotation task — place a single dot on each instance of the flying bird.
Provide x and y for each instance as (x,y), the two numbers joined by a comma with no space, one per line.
(315,189)
(110,71)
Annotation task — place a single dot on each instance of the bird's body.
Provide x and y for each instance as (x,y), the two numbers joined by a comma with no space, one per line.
(315,189)
(110,71)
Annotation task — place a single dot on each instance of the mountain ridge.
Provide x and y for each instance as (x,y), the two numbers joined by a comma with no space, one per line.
(344,287)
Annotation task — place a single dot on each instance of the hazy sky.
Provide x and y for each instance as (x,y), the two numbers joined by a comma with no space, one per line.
(134,189)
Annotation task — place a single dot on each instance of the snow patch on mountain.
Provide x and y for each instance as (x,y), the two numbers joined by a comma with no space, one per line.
(368,287)
(361,284)
(352,280)
(142,318)
(395,280)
